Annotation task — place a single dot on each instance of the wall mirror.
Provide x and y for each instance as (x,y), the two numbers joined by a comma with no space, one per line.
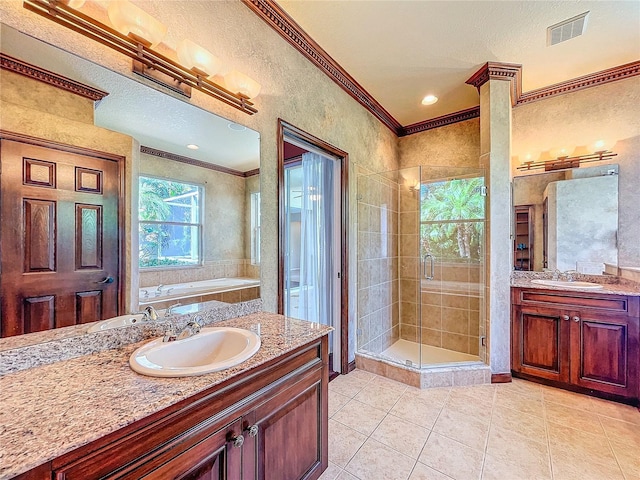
(566,220)
(194,187)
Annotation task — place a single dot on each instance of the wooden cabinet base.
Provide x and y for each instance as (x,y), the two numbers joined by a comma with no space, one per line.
(270,422)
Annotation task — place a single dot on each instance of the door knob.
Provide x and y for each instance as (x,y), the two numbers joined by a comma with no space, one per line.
(576,319)
(238,441)
(252,430)
(565,317)
(106,281)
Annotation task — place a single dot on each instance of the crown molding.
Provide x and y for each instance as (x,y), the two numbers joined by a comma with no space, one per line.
(450,118)
(7,62)
(499,71)
(196,163)
(281,22)
(580,83)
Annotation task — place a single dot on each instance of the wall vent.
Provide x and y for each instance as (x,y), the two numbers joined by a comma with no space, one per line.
(567,29)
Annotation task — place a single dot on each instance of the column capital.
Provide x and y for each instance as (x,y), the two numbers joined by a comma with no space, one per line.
(499,71)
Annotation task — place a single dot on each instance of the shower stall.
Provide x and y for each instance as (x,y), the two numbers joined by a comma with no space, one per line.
(421,267)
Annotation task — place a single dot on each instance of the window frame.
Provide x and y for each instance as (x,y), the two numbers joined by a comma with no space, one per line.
(199,226)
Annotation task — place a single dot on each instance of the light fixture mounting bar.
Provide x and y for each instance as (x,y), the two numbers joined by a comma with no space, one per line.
(89,27)
(564,163)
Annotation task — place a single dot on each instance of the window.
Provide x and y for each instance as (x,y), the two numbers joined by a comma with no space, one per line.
(170,223)
(255,228)
(452,219)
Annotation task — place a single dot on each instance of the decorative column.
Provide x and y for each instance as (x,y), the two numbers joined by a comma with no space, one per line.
(498,85)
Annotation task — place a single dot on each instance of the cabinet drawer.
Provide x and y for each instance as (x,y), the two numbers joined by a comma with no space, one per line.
(610,303)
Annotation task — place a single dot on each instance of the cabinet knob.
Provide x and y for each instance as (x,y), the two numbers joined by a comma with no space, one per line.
(565,317)
(576,319)
(238,441)
(252,430)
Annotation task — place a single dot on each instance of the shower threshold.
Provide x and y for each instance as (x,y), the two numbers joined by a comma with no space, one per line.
(408,353)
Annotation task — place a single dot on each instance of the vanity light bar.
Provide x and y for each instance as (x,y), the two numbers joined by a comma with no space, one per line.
(563,163)
(143,55)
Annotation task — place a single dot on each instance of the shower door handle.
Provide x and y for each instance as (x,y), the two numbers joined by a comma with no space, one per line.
(424,267)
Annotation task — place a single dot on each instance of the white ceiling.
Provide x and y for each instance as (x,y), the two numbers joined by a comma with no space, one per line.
(152,117)
(400,51)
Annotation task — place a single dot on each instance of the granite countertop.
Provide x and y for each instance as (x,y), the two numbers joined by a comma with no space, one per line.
(49,410)
(611,286)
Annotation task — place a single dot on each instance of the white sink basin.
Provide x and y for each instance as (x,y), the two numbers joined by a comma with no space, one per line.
(211,350)
(116,322)
(565,284)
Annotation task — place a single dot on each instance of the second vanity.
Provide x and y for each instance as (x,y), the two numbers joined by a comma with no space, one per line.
(579,339)
(92,417)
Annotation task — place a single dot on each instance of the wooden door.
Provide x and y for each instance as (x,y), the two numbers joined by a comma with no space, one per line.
(540,342)
(604,353)
(290,437)
(60,238)
(217,457)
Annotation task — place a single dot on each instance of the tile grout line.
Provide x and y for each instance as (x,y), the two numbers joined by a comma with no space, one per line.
(613,451)
(546,431)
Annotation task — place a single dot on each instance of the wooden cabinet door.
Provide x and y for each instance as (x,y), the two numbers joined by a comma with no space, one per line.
(604,353)
(290,434)
(60,238)
(217,457)
(540,342)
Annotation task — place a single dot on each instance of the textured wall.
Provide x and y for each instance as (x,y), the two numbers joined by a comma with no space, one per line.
(456,145)
(607,112)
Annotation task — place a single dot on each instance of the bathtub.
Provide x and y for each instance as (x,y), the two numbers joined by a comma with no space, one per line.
(230,290)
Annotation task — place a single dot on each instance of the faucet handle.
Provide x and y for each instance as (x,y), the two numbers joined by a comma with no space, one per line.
(169,310)
(170,335)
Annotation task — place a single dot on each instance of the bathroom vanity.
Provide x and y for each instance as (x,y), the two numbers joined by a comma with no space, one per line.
(586,341)
(92,417)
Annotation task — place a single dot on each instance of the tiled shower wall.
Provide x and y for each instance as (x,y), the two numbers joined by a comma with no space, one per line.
(378,312)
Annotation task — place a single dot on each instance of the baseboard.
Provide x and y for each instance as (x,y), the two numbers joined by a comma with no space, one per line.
(351,367)
(500,378)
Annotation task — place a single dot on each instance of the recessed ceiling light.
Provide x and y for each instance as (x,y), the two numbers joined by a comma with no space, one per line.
(192,146)
(236,127)
(429,100)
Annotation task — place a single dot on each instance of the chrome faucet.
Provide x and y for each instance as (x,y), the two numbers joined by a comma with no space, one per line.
(151,313)
(159,289)
(190,329)
(169,311)
(569,275)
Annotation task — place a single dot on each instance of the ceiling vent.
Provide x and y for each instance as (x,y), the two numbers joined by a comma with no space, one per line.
(567,29)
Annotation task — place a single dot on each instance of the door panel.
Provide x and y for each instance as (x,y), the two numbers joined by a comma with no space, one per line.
(62,240)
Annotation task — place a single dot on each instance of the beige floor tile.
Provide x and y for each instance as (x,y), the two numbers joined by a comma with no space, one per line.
(529,426)
(347,385)
(619,431)
(422,472)
(378,397)
(519,402)
(578,444)
(510,447)
(475,409)
(571,399)
(346,476)
(570,467)
(458,426)
(375,461)
(401,435)
(336,402)
(331,473)
(431,395)
(579,419)
(523,387)
(389,383)
(344,442)
(362,375)
(452,458)
(500,469)
(360,416)
(628,458)
(618,411)
(415,410)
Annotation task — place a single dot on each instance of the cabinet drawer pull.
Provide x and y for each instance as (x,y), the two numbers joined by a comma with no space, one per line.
(576,319)
(565,317)
(238,441)
(252,430)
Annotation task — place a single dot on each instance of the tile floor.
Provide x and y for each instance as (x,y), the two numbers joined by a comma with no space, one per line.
(380,429)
